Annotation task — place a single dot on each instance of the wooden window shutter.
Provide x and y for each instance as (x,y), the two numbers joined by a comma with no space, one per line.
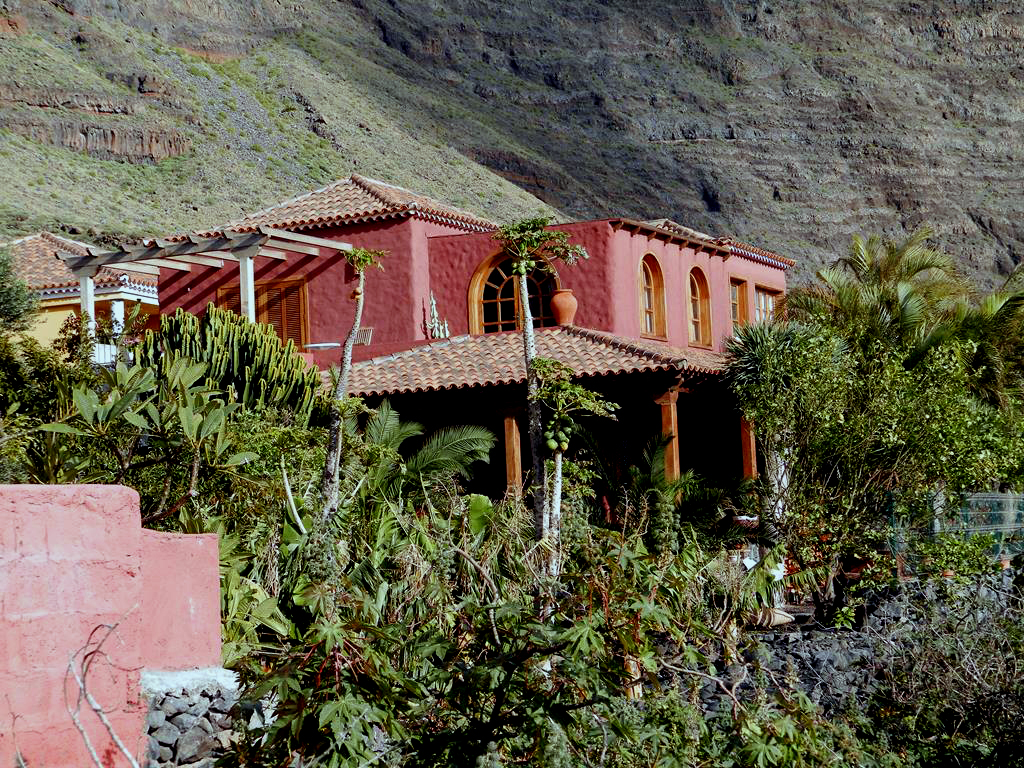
(230,298)
(280,304)
(269,309)
(291,313)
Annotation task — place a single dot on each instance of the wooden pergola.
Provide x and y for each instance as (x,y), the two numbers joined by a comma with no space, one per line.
(209,249)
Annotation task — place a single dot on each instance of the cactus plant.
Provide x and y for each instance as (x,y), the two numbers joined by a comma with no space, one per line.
(245,360)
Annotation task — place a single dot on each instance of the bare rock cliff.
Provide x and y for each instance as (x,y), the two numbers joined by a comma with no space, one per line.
(792,123)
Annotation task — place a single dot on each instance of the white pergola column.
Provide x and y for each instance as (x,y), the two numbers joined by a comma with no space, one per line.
(246,286)
(87,297)
(117,317)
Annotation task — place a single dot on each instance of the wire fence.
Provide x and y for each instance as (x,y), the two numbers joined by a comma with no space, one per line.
(1000,515)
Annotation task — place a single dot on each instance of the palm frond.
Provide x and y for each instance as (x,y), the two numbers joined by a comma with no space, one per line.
(386,429)
(452,449)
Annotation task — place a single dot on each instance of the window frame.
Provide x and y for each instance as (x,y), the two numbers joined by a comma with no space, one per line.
(773,293)
(262,315)
(702,322)
(739,311)
(480,280)
(656,311)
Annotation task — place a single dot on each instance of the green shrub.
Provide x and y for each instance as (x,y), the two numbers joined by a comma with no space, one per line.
(964,556)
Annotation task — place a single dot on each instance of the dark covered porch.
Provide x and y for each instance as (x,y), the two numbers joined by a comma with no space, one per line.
(660,390)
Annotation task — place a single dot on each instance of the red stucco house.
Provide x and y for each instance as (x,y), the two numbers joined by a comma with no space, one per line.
(656,303)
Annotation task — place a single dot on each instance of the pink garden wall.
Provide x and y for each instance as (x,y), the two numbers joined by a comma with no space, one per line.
(73,558)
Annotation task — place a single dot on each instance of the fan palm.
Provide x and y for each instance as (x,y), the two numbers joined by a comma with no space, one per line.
(990,334)
(883,291)
(451,451)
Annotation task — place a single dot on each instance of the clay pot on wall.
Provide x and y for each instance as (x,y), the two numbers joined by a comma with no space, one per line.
(563,306)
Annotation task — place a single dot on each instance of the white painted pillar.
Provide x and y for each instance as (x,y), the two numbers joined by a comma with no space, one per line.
(117,317)
(246,286)
(87,297)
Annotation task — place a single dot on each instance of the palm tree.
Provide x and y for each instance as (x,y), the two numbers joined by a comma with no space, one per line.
(990,334)
(449,451)
(884,291)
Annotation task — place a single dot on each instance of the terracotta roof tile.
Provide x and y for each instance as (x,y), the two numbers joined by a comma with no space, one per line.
(497,358)
(37,262)
(357,199)
(755,252)
(737,247)
(680,229)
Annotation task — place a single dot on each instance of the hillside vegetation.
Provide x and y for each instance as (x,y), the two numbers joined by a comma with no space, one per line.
(793,124)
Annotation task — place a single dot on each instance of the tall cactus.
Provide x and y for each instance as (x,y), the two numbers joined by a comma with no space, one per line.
(246,360)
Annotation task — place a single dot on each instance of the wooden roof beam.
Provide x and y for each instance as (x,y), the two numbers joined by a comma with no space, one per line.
(296,237)
(309,250)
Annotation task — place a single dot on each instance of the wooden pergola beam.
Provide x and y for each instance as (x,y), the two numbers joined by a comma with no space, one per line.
(165,263)
(204,260)
(296,237)
(143,269)
(144,253)
(284,245)
(272,253)
(221,255)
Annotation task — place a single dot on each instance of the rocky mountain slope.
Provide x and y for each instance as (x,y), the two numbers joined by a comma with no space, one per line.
(793,123)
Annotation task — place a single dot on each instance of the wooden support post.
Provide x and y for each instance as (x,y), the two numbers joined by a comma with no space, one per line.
(246,286)
(670,430)
(87,297)
(748,448)
(513,456)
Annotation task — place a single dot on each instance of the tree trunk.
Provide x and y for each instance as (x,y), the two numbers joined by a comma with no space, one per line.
(777,470)
(332,462)
(555,529)
(541,517)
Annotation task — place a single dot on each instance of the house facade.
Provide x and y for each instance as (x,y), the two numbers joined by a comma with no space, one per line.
(656,303)
(652,280)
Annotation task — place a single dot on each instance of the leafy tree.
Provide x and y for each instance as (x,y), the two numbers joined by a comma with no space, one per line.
(162,434)
(17,302)
(845,441)
(890,381)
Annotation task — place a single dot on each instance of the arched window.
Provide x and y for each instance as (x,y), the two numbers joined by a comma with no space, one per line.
(700,309)
(494,299)
(652,298)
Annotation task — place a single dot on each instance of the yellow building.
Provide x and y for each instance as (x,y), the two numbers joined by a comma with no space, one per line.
(37,260)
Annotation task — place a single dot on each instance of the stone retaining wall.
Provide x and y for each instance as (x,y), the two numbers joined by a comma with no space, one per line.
(842,668)
(189,721)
